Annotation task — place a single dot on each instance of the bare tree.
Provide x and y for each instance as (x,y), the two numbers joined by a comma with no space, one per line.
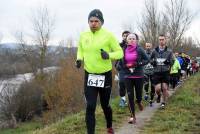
(197,42)
(128,26)
(179,18)
(150,24)
(42,25)
(189,46)
(28,52)
(7,105)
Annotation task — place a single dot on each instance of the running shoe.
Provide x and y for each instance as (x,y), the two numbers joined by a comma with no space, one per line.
(146,97)
(132,120)
(122,103)
(110,130)
(162,106)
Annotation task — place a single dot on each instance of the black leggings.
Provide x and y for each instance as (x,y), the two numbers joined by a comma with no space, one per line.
(174,79)
(91,94)
(131,84)
(148,78)
(122,89)
(121,84)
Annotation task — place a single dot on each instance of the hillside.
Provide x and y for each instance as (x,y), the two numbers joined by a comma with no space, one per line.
(181,115)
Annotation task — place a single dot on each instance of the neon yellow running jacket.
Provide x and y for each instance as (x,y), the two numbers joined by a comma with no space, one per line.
(175,67)
(89,50)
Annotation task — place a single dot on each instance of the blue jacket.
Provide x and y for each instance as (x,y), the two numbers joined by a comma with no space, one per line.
(180,60)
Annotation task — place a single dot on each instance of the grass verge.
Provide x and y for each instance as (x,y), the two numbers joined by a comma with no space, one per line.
(23,128)
(181,115)
(75,123)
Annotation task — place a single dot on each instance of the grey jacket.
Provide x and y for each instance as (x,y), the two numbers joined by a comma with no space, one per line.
(118,62)
(148,69)
(162,61)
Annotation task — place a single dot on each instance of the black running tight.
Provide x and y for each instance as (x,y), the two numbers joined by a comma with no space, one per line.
(91,94)
(131,84)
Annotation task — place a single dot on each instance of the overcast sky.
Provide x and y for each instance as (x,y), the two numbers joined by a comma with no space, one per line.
(71,16)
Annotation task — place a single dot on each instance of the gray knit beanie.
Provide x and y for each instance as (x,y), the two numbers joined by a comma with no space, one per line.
(96,13)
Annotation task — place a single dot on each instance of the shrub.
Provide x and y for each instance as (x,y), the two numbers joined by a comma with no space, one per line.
(64,92)
(21,102)
(29,100)
(7,106)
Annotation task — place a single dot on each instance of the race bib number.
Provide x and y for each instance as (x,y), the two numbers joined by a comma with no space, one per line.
(96,80)
(149,66)
(160,61)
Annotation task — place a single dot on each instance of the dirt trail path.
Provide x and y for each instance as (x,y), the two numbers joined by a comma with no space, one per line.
(141,119)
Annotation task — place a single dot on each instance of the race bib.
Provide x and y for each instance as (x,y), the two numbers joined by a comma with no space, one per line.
(149,66)
(96,80)
(160,61)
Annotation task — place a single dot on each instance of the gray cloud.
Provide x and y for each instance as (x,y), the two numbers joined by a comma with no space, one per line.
(71,15)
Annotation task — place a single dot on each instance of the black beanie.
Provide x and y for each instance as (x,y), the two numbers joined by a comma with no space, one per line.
(96,13)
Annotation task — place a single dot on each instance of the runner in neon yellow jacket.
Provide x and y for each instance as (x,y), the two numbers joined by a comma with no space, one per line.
(89,50)
(175,67)
(97,47)
(174,73)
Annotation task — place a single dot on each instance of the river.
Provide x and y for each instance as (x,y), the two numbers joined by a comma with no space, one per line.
(18,79)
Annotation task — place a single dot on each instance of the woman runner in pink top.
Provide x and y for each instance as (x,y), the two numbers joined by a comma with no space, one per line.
(134,60)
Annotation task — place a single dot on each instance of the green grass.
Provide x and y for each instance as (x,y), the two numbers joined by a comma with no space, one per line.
(182,114)
(75,124)
(23,128)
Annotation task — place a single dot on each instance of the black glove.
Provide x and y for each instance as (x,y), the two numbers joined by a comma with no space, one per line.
(78,63)
(104,54)
(166,62)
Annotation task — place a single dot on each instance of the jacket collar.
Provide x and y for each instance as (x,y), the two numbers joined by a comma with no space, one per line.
(157,48)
